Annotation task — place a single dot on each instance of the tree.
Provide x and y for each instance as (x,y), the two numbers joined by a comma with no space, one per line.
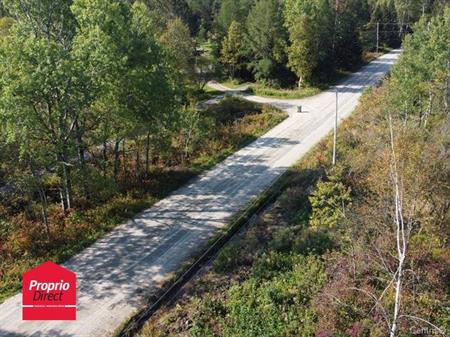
(179,46)
(164,11)
(204,12)
(64,90)
(310,29)
(38,97)
(233,48)
(422,74)
(232,10)
(349,17)
(329,203)
(51,19)
(266,39)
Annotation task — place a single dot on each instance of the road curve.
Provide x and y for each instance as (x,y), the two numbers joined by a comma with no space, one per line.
(121,269)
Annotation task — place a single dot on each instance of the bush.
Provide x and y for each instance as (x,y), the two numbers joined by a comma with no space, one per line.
(208,313)
(329,202)
(313,241)
(234,255)
(277,306)
(284,239)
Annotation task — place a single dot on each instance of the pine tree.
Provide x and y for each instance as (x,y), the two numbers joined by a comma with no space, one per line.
(232,48)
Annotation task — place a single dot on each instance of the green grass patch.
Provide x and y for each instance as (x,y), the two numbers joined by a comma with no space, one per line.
(296,93)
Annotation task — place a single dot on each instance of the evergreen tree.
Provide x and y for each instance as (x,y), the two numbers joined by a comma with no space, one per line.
(232,10)
(310,25)
(233,48)
(266,39)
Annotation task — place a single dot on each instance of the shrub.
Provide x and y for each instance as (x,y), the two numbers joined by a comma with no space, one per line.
(277,306)
(329,202)
(234,255)
(208,313)
(313,241)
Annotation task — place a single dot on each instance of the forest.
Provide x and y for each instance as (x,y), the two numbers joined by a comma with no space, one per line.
(101,116)
(357,249)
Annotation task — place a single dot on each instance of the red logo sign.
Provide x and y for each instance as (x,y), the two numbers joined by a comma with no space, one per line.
(49,293)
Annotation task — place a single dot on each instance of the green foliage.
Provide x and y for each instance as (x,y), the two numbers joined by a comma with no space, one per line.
(310,29)
(235,255)
(276,306)
(5,25)
(51,19)
(206,310)
(422,74)
(55,100)
(302,240)
(305,91)
(350,17)
(233,48)
(232,10)
(179,45)
(329,203)
(266,40)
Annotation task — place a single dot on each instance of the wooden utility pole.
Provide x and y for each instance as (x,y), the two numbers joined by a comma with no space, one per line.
(335,127)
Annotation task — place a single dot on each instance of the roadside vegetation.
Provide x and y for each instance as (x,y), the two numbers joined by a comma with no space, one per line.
(359,249)
(213,135)
(99,119)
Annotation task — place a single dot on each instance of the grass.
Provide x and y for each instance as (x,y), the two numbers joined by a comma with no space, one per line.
(234,84)
(297,93)
(24,246)
(265,91)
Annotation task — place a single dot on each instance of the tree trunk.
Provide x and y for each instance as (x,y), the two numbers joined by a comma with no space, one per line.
(124,161)
(116,158)
(402,235)
(68,185)
(66,182)
(44,210)
(138,159)
(429,110)
(446,89)
(147,153)
(81,149)
(105,157)
(42,198)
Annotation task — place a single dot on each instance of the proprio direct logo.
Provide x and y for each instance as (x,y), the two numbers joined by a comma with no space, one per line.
(49,293)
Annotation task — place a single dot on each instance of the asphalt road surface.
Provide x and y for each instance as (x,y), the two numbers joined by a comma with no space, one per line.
(120,270)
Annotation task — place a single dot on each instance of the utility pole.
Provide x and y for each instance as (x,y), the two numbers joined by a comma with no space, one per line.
(378,36)
(335,127)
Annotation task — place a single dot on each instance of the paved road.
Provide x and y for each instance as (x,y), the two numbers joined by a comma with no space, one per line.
(116,273)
